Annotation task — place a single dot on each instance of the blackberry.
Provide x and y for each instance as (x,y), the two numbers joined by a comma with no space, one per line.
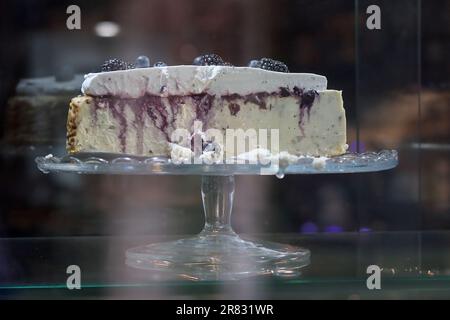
(272,65)
(160,64)
(116,64)
(208,60)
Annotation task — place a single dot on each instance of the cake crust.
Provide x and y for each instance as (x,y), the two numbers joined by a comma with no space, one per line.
(73,120)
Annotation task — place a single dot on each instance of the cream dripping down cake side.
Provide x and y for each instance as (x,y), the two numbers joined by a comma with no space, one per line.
(135,110)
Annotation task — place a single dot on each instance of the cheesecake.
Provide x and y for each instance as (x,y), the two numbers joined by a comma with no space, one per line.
(141,111)
(36,114)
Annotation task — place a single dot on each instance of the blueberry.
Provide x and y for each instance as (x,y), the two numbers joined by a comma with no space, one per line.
(142,62)
(116,64)
(160,64)
(208,60)
(254,64)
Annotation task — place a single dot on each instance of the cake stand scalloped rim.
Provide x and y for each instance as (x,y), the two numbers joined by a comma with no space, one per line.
(104,163)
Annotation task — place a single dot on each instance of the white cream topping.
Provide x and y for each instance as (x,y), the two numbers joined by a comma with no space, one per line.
(185,80)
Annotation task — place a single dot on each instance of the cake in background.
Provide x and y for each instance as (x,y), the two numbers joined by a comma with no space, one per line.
(36,114)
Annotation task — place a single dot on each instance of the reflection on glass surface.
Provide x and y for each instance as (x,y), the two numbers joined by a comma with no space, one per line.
(396,92)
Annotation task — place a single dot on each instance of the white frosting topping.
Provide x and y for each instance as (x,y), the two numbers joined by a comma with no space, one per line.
(185,80)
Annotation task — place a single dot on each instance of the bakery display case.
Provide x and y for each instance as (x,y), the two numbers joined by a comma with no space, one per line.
(97,195)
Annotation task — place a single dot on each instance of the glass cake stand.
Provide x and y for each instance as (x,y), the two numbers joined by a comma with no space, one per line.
(217,252)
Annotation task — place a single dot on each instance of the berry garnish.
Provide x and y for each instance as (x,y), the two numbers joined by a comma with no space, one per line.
(269,64)
(208,60)
(273,65)
(254,64)
(142,62)
(160,64)
(116,64)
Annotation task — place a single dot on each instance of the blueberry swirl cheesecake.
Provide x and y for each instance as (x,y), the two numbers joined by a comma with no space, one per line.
(136,108)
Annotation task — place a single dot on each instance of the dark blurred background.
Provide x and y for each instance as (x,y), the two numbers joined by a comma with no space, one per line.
(395,83)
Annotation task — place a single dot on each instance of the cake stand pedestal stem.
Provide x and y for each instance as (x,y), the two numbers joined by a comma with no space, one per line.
(217,197)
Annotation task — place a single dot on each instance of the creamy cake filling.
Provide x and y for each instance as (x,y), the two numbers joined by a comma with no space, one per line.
(163,111)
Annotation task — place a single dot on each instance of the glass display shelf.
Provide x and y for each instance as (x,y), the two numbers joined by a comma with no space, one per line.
(413,265)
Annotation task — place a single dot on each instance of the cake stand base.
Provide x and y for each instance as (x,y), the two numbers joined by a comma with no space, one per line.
(219,256)
(218,253)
